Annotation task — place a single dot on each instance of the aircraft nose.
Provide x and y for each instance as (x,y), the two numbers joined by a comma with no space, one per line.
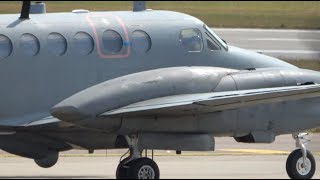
(256,59)
(310,76)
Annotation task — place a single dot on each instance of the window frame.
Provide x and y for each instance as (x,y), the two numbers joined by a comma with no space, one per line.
(208,37)
(201,40)
(103,44)
(207,30)
(65,41)
(11,44)
(23,51)
(137,30)
(74,43)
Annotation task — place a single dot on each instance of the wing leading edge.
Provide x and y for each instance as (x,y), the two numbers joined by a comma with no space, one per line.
(216,101)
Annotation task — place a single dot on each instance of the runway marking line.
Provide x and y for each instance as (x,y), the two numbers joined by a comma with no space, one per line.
(258,151)
(266,30)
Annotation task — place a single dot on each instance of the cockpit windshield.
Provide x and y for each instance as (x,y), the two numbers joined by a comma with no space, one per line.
(214,35)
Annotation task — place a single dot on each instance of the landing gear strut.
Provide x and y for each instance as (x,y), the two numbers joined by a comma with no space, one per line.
(136,167)
(301,163)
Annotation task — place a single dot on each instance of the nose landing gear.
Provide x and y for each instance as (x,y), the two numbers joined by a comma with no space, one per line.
(301,163)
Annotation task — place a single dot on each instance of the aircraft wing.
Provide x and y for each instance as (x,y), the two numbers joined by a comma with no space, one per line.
(216,101)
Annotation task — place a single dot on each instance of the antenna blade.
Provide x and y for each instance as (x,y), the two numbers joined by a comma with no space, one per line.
(25,10)
(139,6)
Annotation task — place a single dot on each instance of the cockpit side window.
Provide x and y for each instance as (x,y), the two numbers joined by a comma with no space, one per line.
(191,40)
(215,36)
(211,45)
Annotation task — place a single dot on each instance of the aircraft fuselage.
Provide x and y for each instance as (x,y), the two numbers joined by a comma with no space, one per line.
(67,80)
(55,55)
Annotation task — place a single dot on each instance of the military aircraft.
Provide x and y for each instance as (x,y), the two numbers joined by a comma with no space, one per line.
(142,79)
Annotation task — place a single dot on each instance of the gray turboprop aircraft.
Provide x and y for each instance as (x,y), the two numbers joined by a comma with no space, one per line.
(143,79)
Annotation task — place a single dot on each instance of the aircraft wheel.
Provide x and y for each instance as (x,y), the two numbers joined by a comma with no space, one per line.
(294,165)
(50,160)
(143,168)
(122,170)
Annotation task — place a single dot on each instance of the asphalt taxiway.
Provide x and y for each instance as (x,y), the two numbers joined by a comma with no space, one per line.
(280,43)
(176,167)
(230,160)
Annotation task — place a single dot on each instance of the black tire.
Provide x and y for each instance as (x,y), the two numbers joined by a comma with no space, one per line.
(50,160)
(137,165)
(122,170)
(292,165)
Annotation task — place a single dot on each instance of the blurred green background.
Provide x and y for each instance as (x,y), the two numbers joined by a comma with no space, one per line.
(244,14)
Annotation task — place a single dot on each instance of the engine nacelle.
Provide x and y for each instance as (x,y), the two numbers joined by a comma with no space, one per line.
(137,87)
